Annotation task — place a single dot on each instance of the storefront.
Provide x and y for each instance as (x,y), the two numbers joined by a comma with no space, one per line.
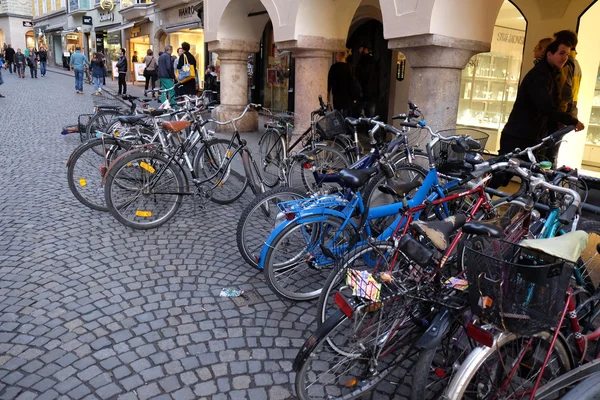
(490,81)
(72,39)
(30,41)
(138,40)
(183,25)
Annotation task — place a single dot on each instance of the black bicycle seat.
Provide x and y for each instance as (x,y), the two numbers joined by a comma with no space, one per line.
(108,107)
(397,187)
(155,112)
(285,117)
(493,227)
(129,97)
(356,178)
(131,119)
(439,231)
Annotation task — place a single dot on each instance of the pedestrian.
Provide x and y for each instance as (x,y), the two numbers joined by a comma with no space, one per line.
(9,57)
(175,59)
(190,86)
(210,78)
(77,63)
(535,114)
(20,61)
(166,73)
(2,65)
(122,67)
(43,57)
(26,52)
(150,72)
(134,59)
(539,49)
(366,74)
(569,79)
(339,83)
(32,64)
(98,71)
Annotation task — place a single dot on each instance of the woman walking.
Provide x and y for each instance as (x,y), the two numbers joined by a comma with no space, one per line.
(32,64)
(122,67)
(20,61)
(150,72)
(98,70)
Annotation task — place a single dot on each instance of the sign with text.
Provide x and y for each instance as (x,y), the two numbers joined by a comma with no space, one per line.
(28,24)
(107,17)
(87,20)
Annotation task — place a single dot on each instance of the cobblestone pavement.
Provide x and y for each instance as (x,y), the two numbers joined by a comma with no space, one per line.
(91,309)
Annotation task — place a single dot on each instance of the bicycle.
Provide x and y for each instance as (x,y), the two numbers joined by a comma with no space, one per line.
(156,182)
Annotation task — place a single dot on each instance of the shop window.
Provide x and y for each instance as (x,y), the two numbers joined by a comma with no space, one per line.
(195,37)
(490,80)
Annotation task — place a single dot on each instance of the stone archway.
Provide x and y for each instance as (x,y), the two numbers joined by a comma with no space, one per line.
(160,40)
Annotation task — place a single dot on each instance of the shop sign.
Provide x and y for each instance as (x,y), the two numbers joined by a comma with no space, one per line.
(87,20)
(135,31)
(100,44)
(187,12)
(107,5)
(72,37)
(114,38)
(508,42)
(107,17)
(126,3)
(28,24)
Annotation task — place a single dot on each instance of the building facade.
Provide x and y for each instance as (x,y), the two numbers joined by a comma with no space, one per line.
(15,23)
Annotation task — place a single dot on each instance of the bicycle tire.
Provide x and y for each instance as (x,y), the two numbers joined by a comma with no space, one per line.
(307,279)
(87,186)
(231,183)
(256,221)
(271,156)
(99,121)
(478,358)
(373,197)
(326,160)
(137,171)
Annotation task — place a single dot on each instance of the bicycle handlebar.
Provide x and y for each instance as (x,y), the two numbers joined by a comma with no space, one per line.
(253,106)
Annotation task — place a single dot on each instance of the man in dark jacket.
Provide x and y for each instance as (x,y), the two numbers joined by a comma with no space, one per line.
(166,73)
(122,67)
(9,56)
(339,82)
(534,114)
(43,56)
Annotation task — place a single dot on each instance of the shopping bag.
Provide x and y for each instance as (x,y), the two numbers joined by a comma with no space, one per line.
(187,72)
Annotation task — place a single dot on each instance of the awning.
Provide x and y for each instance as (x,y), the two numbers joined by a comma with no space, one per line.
(189,25)
(107,27)
(119,27)
(55,27)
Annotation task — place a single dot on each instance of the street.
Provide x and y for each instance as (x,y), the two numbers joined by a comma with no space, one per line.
(92,309)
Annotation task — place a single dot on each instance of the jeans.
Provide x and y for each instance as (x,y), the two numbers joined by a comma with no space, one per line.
(79,79)
(20,69)
(122,83)
(98,82)
(33,70)
(43,68)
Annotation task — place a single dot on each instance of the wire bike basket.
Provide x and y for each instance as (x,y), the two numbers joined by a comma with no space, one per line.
(331,125)
(449,156)
(517,289)
(295,206)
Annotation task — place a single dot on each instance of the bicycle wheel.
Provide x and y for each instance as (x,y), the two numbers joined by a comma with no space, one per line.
(224,166)
(373,197)
(270,148)
(590,259)
(372,257)
(370,339)
(258,220)
(326,160)
(144,190)
(508,369)
(86,167)
(99,122)
(295,265)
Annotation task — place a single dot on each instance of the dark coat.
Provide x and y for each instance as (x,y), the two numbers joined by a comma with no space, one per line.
(20,58)
(339,82)
(122,64)
(188,87)
(43,55)
(165,66)
(534,114)
(10,54)
(97,69)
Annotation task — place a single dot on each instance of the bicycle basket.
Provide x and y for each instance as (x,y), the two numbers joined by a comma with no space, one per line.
(108,99)
(449,156)
(331,125)
(517,289)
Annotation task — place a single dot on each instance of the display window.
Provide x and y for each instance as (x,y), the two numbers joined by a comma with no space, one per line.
(140,44)
(490,80)
(195,37)
(276,82)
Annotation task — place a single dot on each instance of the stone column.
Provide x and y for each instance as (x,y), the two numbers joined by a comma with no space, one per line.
(233,56)
(313,56)
(436,65)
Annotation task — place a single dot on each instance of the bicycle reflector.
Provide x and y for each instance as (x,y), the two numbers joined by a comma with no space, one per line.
(480,335)
(306,165)
(290,216)
(342,302)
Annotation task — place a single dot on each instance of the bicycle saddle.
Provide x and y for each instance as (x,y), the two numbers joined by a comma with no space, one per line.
(175,126)
(493,227)
(129,97)
(155,112)
(356,178)
(568,246)
(352,121)
(108,107)
(439,231)
(397,187)
(131,119)
(285,117)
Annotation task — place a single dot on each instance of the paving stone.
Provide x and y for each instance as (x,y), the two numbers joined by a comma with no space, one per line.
(205,388)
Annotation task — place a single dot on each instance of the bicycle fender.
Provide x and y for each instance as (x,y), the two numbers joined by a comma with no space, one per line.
(304,217)
(434,334)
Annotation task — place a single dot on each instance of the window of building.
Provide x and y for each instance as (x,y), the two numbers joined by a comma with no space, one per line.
(53,5)
(490,81)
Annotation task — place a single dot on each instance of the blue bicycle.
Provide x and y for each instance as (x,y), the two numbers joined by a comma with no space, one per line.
(300,252)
